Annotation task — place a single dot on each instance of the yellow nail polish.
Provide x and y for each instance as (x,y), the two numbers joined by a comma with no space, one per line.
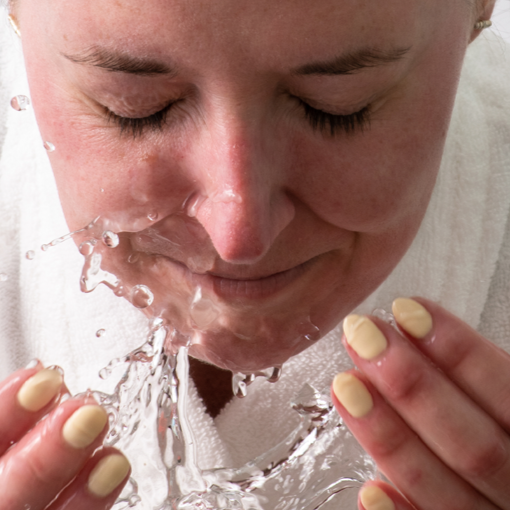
(352,394)
(84,425)
(108,474)
(412,317)
(364,336)
(40,389)
(374,498)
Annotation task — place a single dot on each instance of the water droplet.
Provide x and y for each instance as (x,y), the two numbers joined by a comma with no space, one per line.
(45,247)
(100,333)
(192,206)
(20,103)
(104,373)
(111,239)
(133,258)
(30,254)
(226,196)
(119,291)
(49,146)
(87,247)
(153,216)
(102,190)
(3,277)
(142,296)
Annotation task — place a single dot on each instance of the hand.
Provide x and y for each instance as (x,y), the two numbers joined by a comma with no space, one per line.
(431,406)
(48,457)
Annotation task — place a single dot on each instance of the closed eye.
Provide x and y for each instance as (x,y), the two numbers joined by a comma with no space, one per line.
(330,124)
(137,126)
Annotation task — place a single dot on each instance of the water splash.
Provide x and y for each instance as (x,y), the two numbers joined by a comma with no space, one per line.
(317,462)
(66,237)
(240,382)
(20,103)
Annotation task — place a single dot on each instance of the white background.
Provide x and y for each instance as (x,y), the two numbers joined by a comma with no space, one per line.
(501,19)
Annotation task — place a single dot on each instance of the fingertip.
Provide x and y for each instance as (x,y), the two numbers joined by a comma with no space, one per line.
(373,497)
(412,317)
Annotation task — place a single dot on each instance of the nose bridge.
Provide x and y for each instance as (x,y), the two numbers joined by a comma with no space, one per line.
(246,206)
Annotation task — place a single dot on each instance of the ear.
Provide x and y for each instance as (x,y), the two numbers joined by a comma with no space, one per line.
(482,11)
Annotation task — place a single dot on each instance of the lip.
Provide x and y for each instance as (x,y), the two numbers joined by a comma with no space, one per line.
(251,289)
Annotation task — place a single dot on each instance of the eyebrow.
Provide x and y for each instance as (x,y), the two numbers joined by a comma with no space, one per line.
(120,62)
(352,62)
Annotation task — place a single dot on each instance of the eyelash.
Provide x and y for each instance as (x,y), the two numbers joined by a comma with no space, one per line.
(137,126)
(327,124)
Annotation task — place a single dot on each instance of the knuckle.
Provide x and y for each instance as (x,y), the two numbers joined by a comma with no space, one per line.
(485,459)
(41,473)
(405,385)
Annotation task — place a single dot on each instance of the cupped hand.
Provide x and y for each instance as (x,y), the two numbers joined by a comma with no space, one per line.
(431,405)
(50,453)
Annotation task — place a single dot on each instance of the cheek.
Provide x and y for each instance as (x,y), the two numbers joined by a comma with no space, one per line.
(369,182)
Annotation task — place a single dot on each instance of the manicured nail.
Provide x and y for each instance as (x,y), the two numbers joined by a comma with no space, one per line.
(84,425)
(412,317)
(40,389)
(352,394)
(108,474)
(364,336)
(374,498)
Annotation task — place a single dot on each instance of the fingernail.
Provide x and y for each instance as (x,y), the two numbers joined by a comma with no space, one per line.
(352,394)
(108,474)
(40,389)
(85,424)
(412,317)
(374,498)
(364,336)
(32,364)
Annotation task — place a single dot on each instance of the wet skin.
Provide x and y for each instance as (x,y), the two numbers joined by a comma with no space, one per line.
(287,215)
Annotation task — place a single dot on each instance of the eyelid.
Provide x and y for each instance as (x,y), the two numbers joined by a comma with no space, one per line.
(138,125)
(332,109)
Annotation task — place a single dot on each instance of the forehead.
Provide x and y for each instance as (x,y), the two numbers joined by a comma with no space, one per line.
(294,29)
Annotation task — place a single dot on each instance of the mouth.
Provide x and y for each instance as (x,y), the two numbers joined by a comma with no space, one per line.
(240,288)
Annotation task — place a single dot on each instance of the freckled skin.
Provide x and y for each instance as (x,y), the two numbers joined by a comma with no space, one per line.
(353,202)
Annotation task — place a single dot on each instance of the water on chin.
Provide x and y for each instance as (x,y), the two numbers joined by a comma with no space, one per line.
(318,464)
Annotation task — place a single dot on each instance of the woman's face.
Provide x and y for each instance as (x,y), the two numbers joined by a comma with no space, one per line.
(266,163)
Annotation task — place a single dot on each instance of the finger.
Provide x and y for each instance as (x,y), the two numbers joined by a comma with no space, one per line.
(476,365)
(399,453)
(25,397)
(446,419)
(98,485)
(377,495)
(45,460)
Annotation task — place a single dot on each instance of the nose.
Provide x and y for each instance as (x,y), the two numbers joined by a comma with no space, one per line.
(246,205)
